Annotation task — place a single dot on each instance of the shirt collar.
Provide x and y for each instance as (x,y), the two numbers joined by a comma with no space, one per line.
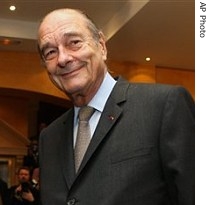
(99,100)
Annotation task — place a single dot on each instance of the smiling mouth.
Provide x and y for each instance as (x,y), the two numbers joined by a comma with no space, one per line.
(72,71)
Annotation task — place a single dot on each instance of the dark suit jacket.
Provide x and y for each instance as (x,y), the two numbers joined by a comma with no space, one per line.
(16,199)
(4,196)
(142,151)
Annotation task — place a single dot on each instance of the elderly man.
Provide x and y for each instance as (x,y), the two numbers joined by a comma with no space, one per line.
(121,143)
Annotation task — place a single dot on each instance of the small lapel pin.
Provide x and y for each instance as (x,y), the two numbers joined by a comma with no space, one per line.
(111,117)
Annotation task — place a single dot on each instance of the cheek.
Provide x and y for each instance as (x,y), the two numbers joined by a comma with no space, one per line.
(50,67)
(90,53)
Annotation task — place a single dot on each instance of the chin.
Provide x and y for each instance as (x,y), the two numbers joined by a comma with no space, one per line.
(73,89)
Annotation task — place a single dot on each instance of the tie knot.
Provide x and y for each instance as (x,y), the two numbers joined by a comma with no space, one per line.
(85,113)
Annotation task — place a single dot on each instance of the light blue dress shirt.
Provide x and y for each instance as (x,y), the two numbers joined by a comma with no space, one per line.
(98,102)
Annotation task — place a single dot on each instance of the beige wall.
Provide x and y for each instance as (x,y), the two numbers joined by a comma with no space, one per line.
(24,71)
(185,78)
(151,74)
(14,111)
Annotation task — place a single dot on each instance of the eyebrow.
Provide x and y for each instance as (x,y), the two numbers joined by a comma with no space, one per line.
(72,34)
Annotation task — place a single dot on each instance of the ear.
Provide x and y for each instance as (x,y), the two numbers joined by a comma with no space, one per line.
(102,43)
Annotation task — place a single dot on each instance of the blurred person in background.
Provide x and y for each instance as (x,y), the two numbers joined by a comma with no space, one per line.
(23,193)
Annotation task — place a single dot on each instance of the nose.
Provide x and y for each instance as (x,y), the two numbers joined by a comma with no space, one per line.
(64,57)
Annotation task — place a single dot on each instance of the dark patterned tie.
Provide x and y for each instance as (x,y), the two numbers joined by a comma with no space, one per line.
(83,135)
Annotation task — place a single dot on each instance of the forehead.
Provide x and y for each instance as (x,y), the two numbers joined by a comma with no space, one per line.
(58,22)
(24,171)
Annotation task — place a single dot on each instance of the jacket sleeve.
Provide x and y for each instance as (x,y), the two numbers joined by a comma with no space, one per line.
(177,146)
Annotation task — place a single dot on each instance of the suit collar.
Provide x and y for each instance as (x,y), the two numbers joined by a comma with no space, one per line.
(120,90)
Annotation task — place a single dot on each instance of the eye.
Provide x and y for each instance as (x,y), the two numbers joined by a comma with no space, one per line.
(50,53)
(75,44)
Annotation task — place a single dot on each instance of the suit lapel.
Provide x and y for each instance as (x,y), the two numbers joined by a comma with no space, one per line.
(66,149)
